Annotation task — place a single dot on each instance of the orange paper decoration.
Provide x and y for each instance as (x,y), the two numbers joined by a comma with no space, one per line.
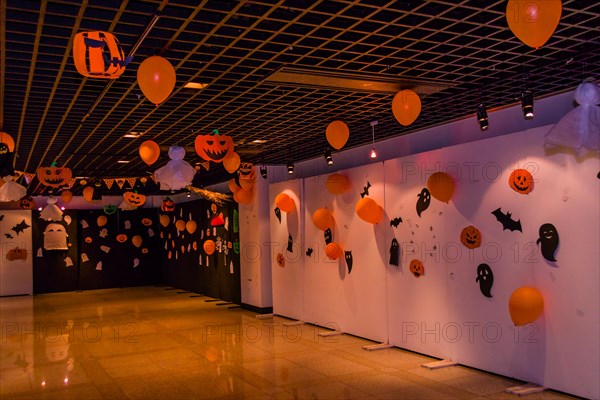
(337,134)
(533,21)
(98,54)
(66,196)
(233,187)
(149,152)
(209,246)
(156,78)
(406,107)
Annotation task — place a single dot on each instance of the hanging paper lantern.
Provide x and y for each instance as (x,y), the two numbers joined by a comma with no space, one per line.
(285,202)
(337,134)
(406,107)
(323,219)
(27,203)
(8,141)
(164,220)
(337,183)
(368,210)
(441,186)
(231,162)
(243,196)
(533,21)
(88,193)
(214,147)
(209,246)
(54,176)
(525,305)
(156,78)
(149,152)
(99,55)
(136,240)
(101,220)
(233,187)
(333,251)
(66,196)
(134,199)
(191,226)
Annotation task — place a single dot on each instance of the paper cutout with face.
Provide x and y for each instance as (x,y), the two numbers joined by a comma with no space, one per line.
(349,260)
(423,202)
(55,237)
(394,252)
(485,277)
(328,236)
(548,240)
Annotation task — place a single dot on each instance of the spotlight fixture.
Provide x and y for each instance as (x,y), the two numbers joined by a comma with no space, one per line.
(373,152)
(189,195)
(263,171)
(290,168)
(527,103)
(328,157)
(482,117)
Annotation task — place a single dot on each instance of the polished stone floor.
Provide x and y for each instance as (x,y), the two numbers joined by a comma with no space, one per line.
(156,343)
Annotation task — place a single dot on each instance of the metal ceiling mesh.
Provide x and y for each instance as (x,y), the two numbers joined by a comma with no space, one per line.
(55,114)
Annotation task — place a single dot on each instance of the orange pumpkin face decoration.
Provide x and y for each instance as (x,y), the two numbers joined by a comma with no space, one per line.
(134,199)
(280,260)
(521,181)
(214,147)
(27,203)
(470,237)
(98,55)
(16,254)
(167,205)
(146,221)
(121,238)
(88,239)
(54,176)
(246,171)
(417,268)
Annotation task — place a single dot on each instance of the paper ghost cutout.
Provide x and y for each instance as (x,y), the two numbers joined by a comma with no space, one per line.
(579,128)
(150,232)
(485,277)
(84,257)
(423,202)
(177,174)
(278,213)
(55,237)
(105,249)
(290,245)
(84,224)
(103,233)
(349,261)
(507,221)
(328,236)
(548,240)
(394,252)
(127,224)
(99,266)
(136,262)
(68,262)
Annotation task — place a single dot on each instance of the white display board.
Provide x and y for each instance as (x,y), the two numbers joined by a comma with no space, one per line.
(16,262)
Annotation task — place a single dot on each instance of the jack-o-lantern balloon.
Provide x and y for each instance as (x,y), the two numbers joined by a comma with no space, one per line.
(167,205)
(333,251)
(27,203)
(417,268)
(121,238)
(134,199)
(54,176)
(521,181)
(99,55)
(470,237)
(214,147)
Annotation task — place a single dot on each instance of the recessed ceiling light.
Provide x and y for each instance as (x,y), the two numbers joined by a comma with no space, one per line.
(259,141)
(123,161)
(195,85)
(133,135)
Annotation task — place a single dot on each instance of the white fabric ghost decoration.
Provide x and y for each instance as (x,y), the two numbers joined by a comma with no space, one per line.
(177,174)
(55,237)
(579,129)
(125,206)
(11,190)
(51,212)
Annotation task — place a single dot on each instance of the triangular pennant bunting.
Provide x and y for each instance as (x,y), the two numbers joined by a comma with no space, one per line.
(131,182)
(108,182)
(120,182)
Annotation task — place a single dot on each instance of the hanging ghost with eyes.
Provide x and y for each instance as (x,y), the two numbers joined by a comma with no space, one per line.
(55,237)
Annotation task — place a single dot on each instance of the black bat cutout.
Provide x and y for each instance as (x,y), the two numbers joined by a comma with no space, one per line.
(365,191)
(309,251)
(349,261)
(328,236)
(290,246)
(507,221)
(8,236)
(395,222)
(394,252)
(278,213)
(1,217)
(548,240)
(20,227)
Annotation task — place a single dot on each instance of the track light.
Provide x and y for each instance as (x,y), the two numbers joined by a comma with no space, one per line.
(373,152)
(263,171)
(482,117)
(290,168)
(188,195)
(328,157)
(527,103)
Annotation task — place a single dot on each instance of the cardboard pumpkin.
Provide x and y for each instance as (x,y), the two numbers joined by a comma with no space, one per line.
(470,237)
(54,176)
(417,268)
(214,147)
(521,181)
(121,238)
(27,203)
(134,199)
(167,205)
(98,54)
(16,253)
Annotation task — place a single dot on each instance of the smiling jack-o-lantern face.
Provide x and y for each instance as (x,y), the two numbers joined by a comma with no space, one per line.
(167,205)
(27,203)
(134,199)
(521,181)
(146,221)
(417,268)
(213,147)
(470,237)
(121,238)
(54,176)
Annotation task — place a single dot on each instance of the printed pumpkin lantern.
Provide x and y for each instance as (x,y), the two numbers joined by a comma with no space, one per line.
(214,147)
(98,55)
(134,199)
(521,181)
(54,176)
(121,238)
(27,203)
(167,205)
(470,237)
(417,268)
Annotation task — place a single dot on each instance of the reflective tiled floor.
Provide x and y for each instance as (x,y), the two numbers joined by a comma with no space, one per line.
(153,343)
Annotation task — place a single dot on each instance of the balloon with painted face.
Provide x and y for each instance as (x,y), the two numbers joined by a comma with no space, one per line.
(55,237)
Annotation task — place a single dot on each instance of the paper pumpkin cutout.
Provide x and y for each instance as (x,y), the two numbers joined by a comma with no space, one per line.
(110,209)
(485,277)
(156,78)
(134,199)
(333,251)
(89,239)
(395,252)
(137,241)
(231,162)
(209,246)
(525,305)
(368,210)
(441,186)
(167,205)
(406,107)
(470,237)
(521,181)
(54,176)
(277,212)
(191,226)
(280,260)
(349,260)
(27,203)
(149,152)
(98,54)
(533,21)
(417,268)
(507,221)
(8,141)
(337,134)
(146,221)
(66,196)
(16,253)
(285,202)
(337,184)
(214,147)
(55,237)
(548,241)
(121,238)
(323,218)
(423,201)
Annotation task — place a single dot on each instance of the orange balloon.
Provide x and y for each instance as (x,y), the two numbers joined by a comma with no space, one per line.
(66,196)
(164,220)
(337,183)
(333,251)
(101,220)
(8,141)
(323,219)
(149,152)
(180,225)
(525,305)
(233,187)
(533,21)
(441,186)
(368,210)
(209,246)
(406,107)
(231,162)
(136,240)
(337,134)
(285,202)
(243,196)
(191,226)
(156,78)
